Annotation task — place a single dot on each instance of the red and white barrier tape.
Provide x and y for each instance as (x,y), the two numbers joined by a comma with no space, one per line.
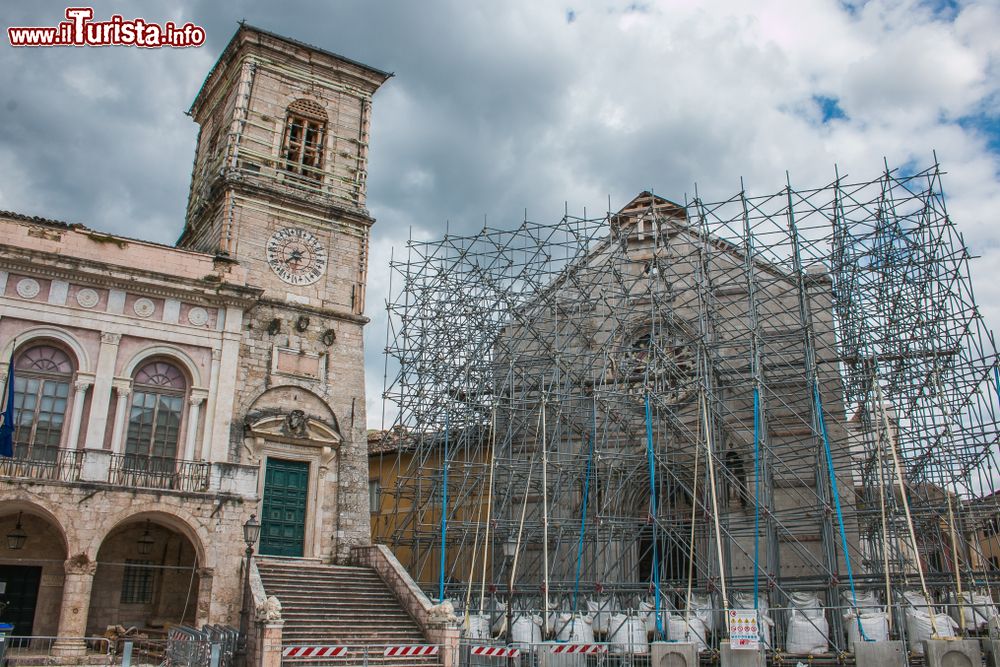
(580,648)
(416,649)
(496,651)
(313,651)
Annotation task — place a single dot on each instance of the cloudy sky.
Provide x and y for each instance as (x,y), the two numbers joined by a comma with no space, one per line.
(502,106)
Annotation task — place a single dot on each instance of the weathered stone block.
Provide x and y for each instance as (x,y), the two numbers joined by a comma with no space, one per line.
(952,653)
(674,654)
(731,657)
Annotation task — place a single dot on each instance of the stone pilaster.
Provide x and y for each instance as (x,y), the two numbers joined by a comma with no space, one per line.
(123,388)
(203,614)
(270,643)
(101,396)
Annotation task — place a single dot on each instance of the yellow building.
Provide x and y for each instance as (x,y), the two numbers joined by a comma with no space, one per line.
(406,507)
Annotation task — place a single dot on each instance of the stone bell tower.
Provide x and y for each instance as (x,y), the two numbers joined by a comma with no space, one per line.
(279,187)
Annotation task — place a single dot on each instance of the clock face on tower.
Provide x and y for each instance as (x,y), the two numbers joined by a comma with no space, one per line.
(296,256)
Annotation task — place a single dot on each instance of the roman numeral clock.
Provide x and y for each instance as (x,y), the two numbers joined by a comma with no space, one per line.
(296,256)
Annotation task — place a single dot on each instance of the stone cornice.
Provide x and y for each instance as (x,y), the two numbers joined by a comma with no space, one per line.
(330,313)
(323,206)
(99,274)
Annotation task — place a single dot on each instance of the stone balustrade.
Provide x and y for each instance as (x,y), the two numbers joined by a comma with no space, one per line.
(97,466)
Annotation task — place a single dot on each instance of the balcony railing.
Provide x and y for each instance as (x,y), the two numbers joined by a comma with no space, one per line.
(48,463)
(128,471)
(150,472)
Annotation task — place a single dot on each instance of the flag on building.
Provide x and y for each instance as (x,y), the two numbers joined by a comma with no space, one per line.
(7,419)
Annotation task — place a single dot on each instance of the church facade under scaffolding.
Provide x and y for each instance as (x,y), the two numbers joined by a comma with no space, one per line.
(783,393)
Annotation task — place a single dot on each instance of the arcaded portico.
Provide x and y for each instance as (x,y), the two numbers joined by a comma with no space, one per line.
(151,564)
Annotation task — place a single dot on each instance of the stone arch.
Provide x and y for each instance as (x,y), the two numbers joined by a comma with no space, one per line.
(310,108)
(175,354)
(50,542)
(311,403)
(170,517)
(151,587)
(37,507)
(36,335)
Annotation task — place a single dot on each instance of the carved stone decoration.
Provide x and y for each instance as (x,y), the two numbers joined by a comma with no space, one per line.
(302,323)
(108,338)
(274,327)
(442,613)
(144,307)
(295,424)
(269,609)
(87,298)
(28,288)
(303,431)
(198,316)
(329,337)
(80,564)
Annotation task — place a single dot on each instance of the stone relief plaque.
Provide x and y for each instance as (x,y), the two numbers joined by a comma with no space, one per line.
(87,298)
(198,316)
(28,288)
(144,307)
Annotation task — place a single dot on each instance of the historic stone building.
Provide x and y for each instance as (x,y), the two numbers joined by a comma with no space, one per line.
(164,394)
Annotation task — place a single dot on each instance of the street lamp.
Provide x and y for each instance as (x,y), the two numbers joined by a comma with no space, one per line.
(251,531)
(509,551)
(17,537)
(145,542)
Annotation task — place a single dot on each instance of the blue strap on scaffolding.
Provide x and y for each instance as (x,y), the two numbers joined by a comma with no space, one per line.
(996,381)
(444,509)
(756,496)
(652,503)
(836,504)
(583,513)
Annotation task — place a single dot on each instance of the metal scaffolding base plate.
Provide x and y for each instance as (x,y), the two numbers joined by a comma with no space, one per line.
(952,653)
(674,654)
(739,657)
(878,654)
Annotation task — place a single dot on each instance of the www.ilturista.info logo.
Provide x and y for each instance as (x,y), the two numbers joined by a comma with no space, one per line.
(79,30)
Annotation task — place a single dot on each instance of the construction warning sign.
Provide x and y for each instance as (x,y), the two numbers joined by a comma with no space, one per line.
(744,630)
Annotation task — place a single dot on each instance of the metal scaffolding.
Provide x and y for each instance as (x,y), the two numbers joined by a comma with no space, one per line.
(778,393)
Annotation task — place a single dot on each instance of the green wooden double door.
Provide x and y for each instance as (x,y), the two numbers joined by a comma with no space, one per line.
(283,520)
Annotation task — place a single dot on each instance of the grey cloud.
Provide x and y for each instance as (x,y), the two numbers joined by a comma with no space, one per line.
(501,107)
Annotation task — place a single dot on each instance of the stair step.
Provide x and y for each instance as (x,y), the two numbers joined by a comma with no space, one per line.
(344,605)
(340,593)
(311,602)
(319,581)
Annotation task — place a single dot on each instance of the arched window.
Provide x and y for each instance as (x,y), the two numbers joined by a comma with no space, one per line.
(302,147)
(154,423)
(42,376)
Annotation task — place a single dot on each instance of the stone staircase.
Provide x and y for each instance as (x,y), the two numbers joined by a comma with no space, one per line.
(340,605)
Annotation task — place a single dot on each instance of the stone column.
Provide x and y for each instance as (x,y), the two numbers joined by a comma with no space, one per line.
(80,387)
(77,585)
(123,388)
(194,409)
